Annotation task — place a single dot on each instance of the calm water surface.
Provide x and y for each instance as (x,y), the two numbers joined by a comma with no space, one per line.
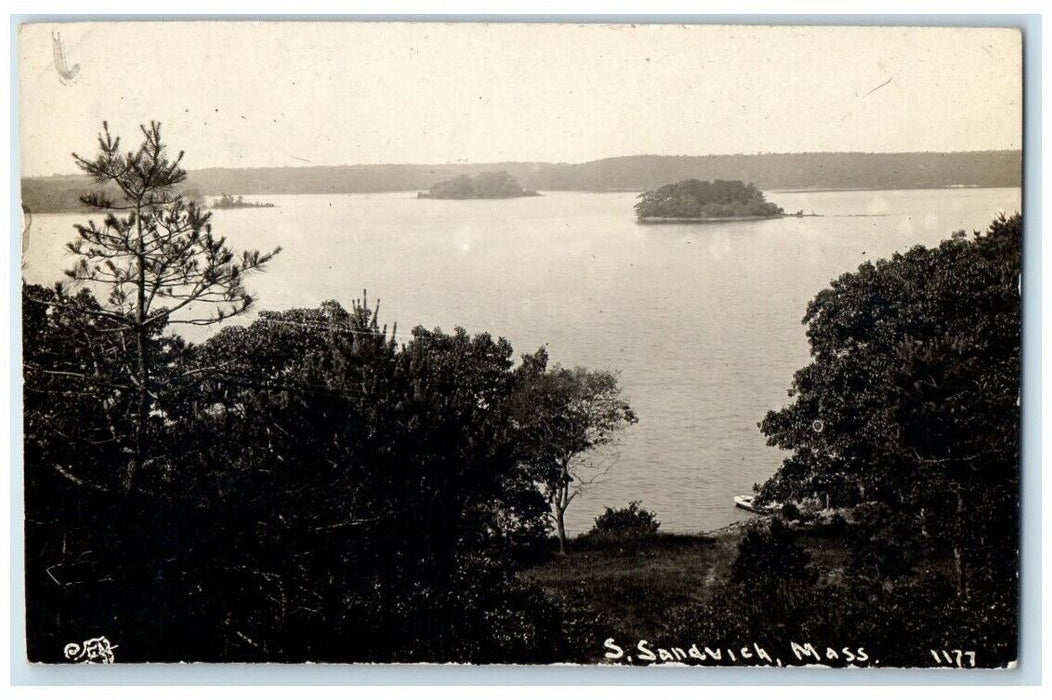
(702,320)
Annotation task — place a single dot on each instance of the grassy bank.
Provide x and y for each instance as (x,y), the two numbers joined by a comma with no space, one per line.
(632,592)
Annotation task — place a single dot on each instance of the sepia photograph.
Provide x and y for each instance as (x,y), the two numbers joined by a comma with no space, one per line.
(531,343)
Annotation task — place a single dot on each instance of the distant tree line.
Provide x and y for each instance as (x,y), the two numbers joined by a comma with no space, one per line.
(623,174)
(66,193)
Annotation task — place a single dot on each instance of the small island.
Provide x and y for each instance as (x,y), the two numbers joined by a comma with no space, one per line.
(498,185)
(225,201)
(701,201)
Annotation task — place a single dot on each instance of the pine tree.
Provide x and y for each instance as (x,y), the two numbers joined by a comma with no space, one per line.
(156,257)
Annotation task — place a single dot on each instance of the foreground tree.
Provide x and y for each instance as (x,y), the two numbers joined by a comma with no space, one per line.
(316,491)
(155,258)
(372,504)
(327,495)
(92,550)
(912,402)
(571,419)
(908,418)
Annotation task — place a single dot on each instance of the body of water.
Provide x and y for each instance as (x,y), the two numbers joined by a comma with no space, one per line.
(701,320)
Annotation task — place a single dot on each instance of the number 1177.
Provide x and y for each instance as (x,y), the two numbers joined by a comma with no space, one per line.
(954,657)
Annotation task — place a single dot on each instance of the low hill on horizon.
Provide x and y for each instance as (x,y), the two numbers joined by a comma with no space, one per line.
(805,171)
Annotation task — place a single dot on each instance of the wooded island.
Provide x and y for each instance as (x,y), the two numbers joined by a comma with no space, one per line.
(225,201)
(499,185)
(697,200)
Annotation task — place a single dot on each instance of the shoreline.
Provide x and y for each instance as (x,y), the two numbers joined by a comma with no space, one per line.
(716,219)
(84,210)
(426,195)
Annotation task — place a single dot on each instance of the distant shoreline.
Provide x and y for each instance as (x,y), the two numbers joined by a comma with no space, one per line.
(427,195)
(804,190)
(267,205)
(86,210)
(804,172)
(715,219)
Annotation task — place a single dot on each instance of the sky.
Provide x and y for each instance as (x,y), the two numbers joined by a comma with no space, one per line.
(254,94)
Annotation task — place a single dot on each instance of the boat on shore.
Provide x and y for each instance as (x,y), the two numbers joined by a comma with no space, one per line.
(748,502)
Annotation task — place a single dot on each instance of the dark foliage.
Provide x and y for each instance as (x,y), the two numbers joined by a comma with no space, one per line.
(625,530)
(301,488)
(570,421)
(632,520)
(769,557)
(694,199)
(908,416)
(490,185)
(319,492)
(226,201)
(154,256)
(912,402)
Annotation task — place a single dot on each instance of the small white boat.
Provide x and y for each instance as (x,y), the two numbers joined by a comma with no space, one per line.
(748,503)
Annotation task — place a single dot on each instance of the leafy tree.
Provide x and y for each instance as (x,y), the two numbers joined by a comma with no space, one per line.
(157,261)
(908,414)
(911,400)
(386,501)
(93,552)
(570,419)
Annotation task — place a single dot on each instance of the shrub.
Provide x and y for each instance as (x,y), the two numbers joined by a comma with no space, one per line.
(631,521)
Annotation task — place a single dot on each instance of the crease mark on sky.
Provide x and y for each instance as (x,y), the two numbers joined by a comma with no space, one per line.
(879,86)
